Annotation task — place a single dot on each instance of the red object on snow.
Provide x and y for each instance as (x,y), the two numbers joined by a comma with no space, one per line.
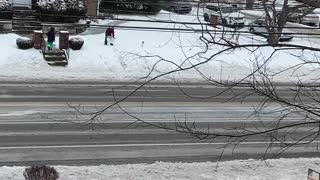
(110,32)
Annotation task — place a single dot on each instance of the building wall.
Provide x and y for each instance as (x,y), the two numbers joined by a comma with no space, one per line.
(92,7)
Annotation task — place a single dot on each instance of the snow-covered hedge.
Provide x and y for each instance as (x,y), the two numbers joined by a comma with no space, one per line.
(24,43)
(5,9)
(5,5)
(130,6)
(76,43)
(73,8)
(40,172)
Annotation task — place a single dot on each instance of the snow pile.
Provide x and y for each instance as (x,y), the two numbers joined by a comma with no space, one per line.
(280,169)
(24,43)
(77,40)
(4,5)
(76,43)
(22,39)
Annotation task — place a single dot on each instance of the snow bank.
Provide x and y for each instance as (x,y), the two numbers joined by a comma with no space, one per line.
(255,13)
(279,169)
(23,39)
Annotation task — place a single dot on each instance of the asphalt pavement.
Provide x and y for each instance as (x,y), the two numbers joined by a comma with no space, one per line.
(49,123)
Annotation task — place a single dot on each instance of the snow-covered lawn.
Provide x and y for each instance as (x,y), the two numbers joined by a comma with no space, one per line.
(127,61)
(277,169)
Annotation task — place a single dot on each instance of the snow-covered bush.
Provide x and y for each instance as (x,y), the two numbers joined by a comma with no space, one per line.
(76,43)
(130,6)
(74,8)
(5,9)
(5,5)
(40,172)
(24,43)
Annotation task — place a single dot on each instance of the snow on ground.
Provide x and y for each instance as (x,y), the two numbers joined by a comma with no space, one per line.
(166,16)
(279,169)
(137,52)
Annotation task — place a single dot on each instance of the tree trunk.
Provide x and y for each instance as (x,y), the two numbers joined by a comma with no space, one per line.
(273,39)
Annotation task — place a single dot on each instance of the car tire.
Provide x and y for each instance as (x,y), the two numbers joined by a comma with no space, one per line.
(251,30)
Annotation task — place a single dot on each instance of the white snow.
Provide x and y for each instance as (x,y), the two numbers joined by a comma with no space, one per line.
(18,113)
(38,31)
(137,52)
(23,39)
(62,32)
(255,13)
(277,169)
(77,39)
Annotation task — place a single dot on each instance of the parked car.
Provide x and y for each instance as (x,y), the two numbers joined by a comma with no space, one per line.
(227,15)
(259,27)
(178,6)
(310,19)
(317,12)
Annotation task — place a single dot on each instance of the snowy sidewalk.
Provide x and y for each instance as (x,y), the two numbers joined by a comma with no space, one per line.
(277,169)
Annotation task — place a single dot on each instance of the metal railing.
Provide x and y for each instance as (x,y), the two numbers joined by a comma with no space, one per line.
(67,53)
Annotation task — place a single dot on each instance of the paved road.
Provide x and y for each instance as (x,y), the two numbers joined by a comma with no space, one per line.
(38,124)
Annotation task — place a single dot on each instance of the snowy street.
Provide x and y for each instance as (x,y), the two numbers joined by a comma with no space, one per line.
(207,112)
(38,124)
